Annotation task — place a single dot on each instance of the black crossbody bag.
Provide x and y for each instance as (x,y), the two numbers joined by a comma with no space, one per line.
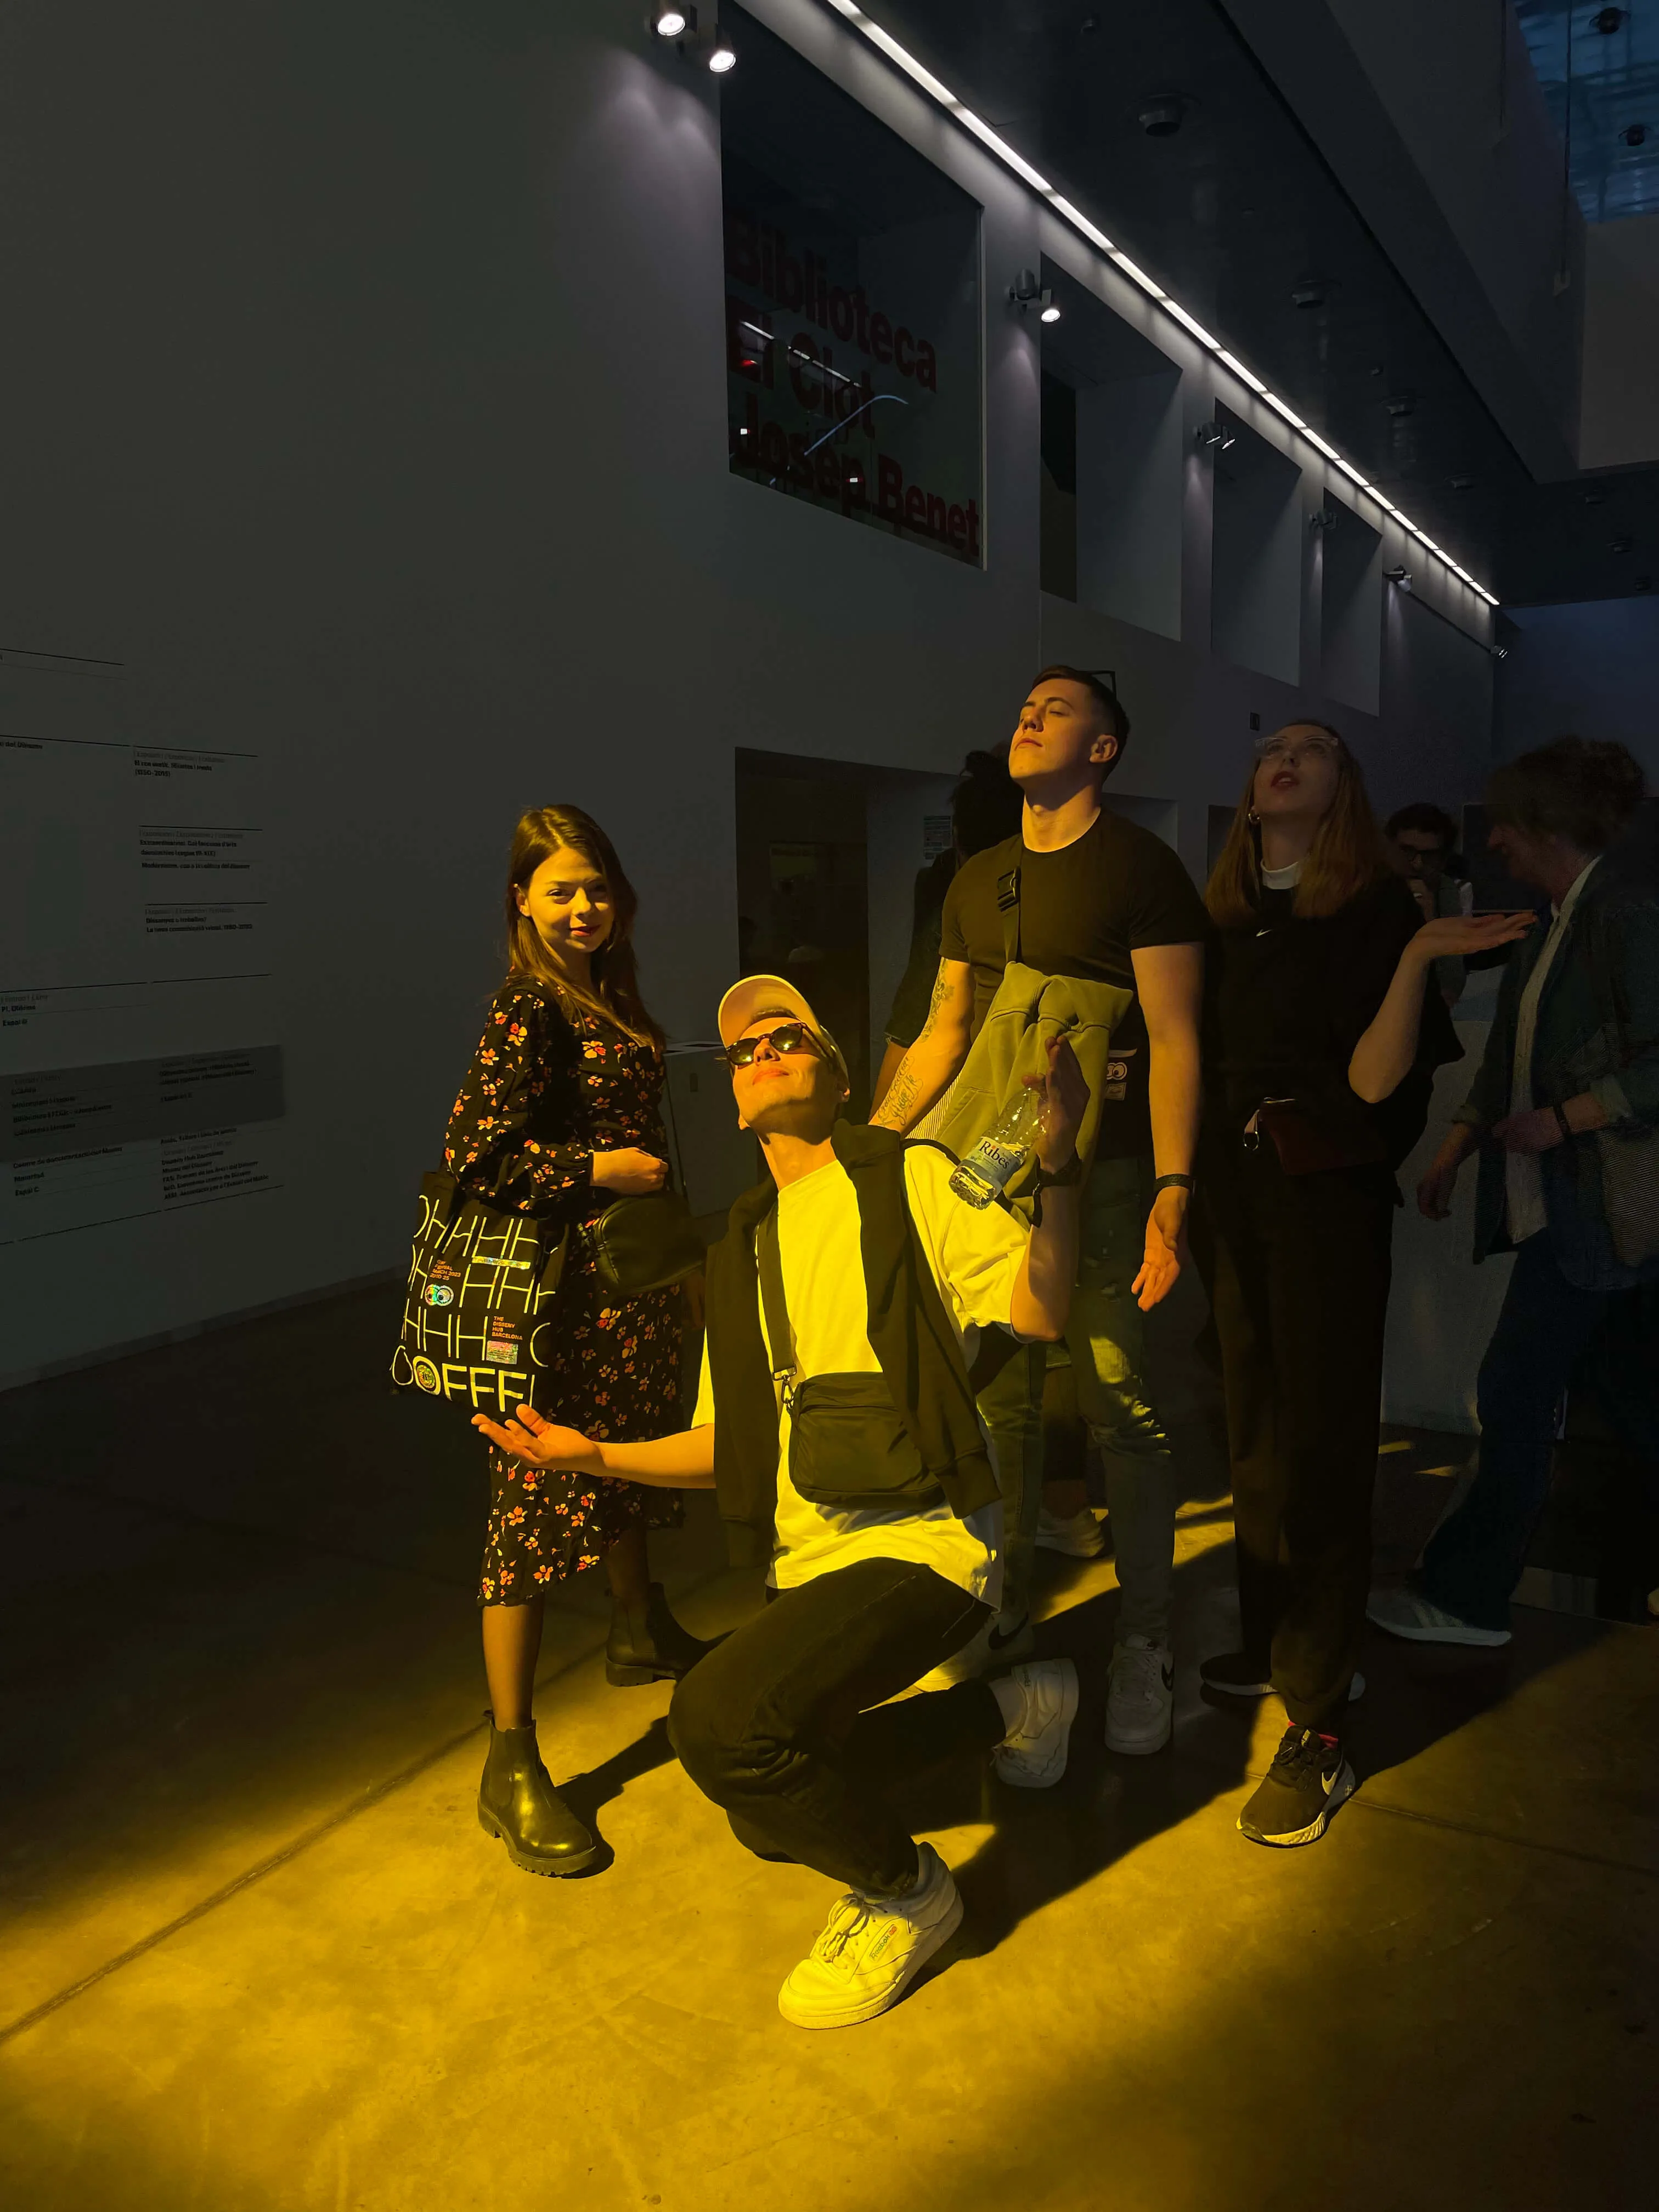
(849,1445)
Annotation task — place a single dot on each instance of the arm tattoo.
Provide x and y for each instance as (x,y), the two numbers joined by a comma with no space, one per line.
(896,1107)
(941,992)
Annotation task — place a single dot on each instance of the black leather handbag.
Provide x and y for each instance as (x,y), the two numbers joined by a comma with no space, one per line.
(647,1242)
(644,1243)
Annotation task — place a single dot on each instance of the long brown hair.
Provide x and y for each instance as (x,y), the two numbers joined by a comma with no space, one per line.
(614,996)
(1347,852)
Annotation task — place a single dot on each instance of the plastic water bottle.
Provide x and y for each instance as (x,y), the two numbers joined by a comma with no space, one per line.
(992,1164)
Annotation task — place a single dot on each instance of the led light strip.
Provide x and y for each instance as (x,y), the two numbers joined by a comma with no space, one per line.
(884,44)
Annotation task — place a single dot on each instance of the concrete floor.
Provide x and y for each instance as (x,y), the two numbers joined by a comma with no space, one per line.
(258,1953)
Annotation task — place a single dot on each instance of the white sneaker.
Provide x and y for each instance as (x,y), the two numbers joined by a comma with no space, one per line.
(1032,1755)
(1079,1537)
(993,1647)
(872,1949)
(1408,1613)
(1140,1703)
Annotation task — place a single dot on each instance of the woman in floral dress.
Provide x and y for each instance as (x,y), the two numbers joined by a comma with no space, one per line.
(557,1118)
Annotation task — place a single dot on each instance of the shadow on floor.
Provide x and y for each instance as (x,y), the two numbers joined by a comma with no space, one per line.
(273,1607)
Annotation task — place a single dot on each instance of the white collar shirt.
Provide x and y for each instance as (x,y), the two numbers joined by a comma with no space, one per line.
(1523,1177)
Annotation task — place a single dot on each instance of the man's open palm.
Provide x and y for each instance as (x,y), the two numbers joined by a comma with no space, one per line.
(537,1443)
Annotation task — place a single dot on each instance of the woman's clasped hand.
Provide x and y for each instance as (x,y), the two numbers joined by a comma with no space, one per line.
(631,1174)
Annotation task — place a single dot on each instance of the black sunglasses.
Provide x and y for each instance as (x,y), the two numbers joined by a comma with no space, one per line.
(788,1036)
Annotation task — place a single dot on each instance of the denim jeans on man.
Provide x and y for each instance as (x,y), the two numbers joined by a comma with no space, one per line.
(1475,1556)
(1106,1337)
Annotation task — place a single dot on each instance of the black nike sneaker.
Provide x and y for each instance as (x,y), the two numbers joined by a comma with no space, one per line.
(1306,1783)
(1237,1674)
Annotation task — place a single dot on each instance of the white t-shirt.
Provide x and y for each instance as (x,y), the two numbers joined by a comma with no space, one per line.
(976,1255)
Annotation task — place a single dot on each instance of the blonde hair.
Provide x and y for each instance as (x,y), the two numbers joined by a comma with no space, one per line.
(614,993)
(1347,852)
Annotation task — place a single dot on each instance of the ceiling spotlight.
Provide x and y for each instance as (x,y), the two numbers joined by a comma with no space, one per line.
(1212,437)
(1608,20)
(1323,517)
(722,56)
(1462,483)
(1402,404)
(1620,544)
(1310,293)
(1050,313)
(1635,134)
(669,22)
(1402,577)
(1499,652)
(1163,115)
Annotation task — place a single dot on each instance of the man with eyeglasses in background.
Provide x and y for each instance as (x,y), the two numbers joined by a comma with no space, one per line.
(1422,841)
(836,1423)
(1103,899)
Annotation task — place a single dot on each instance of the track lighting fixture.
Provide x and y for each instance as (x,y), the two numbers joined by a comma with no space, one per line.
(1212,437)
(950,103)
(1028,291)
(711,47)
(1401,577)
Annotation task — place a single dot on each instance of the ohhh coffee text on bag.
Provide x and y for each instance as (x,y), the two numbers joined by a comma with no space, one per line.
(478,1304)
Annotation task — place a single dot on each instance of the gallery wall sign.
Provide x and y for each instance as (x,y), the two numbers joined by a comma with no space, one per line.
(853,310)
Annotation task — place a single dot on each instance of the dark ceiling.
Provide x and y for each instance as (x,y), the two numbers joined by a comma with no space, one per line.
(1234,212)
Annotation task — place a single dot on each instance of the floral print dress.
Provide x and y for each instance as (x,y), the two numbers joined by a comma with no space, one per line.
(550,1084)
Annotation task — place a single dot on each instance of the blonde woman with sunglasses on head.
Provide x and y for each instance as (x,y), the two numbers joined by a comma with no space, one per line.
(1321,1043)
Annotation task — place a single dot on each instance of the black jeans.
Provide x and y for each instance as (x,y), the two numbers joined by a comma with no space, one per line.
(775,1726)
(1298,1269)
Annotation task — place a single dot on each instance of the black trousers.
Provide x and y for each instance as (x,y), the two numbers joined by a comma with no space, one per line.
(1298,1269)
(775,1724)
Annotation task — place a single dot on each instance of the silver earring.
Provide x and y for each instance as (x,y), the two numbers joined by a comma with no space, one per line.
(1253,818)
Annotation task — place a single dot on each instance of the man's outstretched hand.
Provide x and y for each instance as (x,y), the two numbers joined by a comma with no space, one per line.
(537,1443)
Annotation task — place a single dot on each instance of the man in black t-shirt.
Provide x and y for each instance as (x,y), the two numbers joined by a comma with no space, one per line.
(1100,899)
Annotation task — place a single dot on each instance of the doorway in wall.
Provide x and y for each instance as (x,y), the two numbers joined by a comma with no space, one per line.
(828,856)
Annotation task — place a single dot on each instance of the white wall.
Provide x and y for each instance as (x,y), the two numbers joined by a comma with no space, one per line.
(372,367)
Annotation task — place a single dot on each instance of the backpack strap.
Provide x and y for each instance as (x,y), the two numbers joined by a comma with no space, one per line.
(1008,908)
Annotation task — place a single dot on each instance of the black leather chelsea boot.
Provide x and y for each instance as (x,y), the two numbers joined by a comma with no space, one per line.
(518,1802)
(648,1645)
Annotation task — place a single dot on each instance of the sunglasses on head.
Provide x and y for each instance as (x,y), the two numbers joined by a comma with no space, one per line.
(788,1036)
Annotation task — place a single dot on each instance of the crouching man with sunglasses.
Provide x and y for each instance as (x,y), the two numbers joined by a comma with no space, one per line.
(836,1423)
